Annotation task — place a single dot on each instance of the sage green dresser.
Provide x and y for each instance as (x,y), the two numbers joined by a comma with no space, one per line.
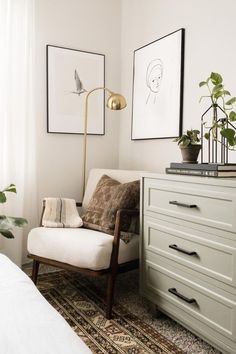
(188,253)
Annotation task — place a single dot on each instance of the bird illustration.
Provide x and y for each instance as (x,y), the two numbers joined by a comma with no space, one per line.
(79,85)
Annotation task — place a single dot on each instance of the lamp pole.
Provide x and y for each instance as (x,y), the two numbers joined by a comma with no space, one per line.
(115,102)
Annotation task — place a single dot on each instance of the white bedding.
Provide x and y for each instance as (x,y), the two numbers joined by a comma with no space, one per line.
(28,323)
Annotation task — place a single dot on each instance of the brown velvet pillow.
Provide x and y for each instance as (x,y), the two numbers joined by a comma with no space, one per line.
(109,196)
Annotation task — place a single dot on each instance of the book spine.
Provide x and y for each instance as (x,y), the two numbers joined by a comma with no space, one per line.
(227,168)
(203,166)
(181,171)
(190,166)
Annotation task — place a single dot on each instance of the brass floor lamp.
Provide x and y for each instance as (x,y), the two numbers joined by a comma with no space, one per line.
(115,102)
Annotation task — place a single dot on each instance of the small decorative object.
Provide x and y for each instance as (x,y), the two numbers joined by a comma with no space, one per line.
(220,131)
(8,222)
(158,88)
(189,145)
(70,74)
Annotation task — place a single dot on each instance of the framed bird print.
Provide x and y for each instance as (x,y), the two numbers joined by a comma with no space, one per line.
(71,74)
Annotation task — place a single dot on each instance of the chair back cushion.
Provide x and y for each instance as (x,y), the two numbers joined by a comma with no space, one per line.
(121,176)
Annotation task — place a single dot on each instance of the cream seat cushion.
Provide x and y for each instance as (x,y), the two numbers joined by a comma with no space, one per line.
(81,247)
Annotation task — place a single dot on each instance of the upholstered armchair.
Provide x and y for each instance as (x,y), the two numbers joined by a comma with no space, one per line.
(89,249)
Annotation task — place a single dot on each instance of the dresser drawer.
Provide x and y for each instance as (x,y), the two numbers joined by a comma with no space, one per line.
(191,248)
(192,202)
(209,307)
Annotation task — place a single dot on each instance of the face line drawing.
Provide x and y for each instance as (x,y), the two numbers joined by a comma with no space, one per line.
(154,73)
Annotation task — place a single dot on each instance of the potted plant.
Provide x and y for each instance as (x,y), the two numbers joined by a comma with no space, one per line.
(8,222)
(220,129)
(189,145)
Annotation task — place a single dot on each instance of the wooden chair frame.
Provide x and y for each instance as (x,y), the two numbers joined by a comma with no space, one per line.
(111,272)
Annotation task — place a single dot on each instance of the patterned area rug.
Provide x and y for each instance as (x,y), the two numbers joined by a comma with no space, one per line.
(81,302)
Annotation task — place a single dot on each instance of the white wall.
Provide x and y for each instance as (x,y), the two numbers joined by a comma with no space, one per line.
(92,26)
(209,46)
(116,28)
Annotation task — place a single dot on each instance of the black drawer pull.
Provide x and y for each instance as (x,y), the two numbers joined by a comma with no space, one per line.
(189,253)
(182,297)
(174,202)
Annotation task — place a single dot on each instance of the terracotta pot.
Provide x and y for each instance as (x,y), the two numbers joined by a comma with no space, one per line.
(190,153)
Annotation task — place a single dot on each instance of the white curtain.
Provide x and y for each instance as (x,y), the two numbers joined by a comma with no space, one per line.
(17,118)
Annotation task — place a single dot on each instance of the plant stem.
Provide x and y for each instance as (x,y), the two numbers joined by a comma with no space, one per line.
(212,100)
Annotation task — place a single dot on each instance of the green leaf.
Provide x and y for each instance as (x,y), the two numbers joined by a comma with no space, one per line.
(202,83)
(225,92)
(217,88)
(207,136)
(10,188)
(229,134)
(185,142)
(232,116)
(218,94)
(16,221)
(6,233)
(8,222)
(216,78)
(231,101)
(2,197)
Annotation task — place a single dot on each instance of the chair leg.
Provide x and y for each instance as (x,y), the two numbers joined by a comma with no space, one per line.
(110,293)
(35,271)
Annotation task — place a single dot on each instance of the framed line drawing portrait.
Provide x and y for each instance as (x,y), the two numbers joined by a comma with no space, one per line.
(158,88)
(71,74)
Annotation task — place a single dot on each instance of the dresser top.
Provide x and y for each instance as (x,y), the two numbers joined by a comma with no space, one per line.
(217,181)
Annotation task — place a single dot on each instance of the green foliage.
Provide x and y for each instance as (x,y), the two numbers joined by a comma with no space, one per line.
(229,134)
(218,95)
(232,116)
(214,84)
(8,222)
(190,137)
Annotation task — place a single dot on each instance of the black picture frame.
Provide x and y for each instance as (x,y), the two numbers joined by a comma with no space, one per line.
(71,73)
(158,82)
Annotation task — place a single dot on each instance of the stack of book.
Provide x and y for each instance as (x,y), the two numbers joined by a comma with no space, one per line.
(202,169)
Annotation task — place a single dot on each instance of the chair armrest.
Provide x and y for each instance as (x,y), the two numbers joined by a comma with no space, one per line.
(131,212)
(116,241)
(119,215)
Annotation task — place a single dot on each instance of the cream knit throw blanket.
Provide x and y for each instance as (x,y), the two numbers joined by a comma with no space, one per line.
(61,212)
